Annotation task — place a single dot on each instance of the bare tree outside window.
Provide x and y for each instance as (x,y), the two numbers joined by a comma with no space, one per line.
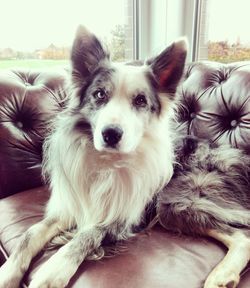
(224,30)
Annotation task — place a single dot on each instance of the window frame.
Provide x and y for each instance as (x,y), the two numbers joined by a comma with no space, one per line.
(173,18)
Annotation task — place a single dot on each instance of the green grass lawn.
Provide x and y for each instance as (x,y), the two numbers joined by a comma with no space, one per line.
(32,63)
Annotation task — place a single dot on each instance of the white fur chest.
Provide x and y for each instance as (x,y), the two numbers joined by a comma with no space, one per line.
(93,188)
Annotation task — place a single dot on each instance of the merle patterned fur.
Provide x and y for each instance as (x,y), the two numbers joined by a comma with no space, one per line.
(209,189)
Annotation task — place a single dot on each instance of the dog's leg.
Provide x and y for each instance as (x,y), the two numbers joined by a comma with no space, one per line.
(60,268)
(227,273)
(12,271)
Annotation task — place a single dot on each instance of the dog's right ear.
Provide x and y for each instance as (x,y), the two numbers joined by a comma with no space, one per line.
(87,54)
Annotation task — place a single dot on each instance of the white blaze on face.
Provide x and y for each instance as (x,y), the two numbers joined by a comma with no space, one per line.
(119,111)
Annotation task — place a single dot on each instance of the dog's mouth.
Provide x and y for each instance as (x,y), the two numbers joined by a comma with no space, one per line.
(110,149)
(114,157)
(117,149)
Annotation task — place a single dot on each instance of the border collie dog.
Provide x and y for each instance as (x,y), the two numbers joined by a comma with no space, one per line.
(109,153)
(209,194)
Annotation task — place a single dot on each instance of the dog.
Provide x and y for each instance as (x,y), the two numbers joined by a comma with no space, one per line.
(109,152)
(209,194)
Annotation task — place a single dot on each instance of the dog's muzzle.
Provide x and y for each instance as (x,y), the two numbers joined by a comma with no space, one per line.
(112,135)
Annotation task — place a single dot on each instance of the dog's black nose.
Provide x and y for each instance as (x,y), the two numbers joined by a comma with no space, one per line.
(112,134)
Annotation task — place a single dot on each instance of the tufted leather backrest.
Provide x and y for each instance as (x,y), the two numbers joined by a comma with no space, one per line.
(215,102)
(28,100)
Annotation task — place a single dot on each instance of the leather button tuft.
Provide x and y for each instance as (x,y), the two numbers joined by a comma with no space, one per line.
(27,84)
(19,124)
(233,123)
(192,115)
(221,81)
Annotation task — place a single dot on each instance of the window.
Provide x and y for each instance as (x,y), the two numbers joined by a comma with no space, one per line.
(40,33)
(223,30)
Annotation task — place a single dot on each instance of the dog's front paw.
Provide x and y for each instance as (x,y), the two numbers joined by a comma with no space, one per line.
(49,278)
(55,273)
(222,279)
(9,277)
(48,283)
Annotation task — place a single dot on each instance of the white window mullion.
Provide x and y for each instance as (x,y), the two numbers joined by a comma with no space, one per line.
(158,23)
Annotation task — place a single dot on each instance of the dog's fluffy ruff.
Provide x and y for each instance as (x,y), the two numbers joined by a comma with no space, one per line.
(88,190)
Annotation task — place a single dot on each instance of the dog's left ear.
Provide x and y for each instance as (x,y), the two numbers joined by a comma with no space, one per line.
(168,67)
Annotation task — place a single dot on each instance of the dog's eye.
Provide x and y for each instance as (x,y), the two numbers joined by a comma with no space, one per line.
(140,101)
(100,94)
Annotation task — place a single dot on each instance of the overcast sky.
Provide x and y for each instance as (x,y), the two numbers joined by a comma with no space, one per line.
(33,24)
(229,20)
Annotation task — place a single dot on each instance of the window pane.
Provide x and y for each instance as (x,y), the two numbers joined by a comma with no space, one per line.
(40,33)
(224,30)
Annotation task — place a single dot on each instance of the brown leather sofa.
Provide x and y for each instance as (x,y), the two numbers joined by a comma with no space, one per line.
(216,105)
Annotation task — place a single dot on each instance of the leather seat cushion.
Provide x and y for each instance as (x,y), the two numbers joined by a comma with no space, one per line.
(152,260)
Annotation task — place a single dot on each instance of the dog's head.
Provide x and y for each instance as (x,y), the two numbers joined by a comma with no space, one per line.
(117,103)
